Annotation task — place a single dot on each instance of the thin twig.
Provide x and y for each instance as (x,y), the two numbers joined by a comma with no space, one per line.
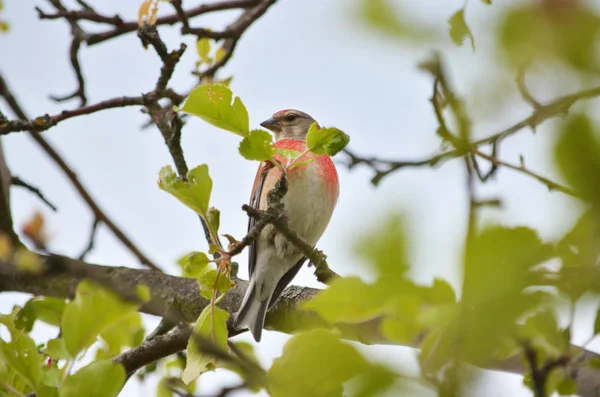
(6,93)
(79,36)
(45,122)
(549,183)
(90,245)
(558,107)
(128,27)
(16,181)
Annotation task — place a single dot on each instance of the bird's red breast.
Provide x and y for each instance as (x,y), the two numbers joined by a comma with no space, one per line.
(322,161)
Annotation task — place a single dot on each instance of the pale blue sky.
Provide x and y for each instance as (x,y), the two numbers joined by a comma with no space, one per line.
(311,55)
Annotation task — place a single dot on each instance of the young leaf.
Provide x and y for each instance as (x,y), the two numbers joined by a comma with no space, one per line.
(597,323)
(198,362)
(203,48)
(93,310)
(328,141)
(495,299)
(212,103)
(102,378)
(459,30)
(567,387)
(213,216)
(46,309)
(57,349)
(128,332)
(194,193)
(349,300)
(208,283)
(219,54)
(374,382)
(257,146)
(194,264)
(577,153)
(21,356)
(320,360)
(288,154)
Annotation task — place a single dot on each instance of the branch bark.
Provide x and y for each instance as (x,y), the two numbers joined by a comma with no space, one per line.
(181,296)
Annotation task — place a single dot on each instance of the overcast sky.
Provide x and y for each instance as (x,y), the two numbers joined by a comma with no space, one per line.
(310,55)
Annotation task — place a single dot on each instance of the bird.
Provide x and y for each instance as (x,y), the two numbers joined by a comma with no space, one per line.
(313,190)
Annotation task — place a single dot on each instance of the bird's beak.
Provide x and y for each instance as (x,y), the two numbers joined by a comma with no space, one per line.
(270,124)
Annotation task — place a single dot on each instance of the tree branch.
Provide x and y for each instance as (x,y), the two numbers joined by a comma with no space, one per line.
(558,107)
(181,296)
(6,93)
(16,181)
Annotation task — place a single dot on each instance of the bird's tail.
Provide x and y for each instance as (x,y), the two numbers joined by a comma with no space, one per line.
(252,312)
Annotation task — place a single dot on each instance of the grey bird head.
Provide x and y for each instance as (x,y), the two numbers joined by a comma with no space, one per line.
(289,124)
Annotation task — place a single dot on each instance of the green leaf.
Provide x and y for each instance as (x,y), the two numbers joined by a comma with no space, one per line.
(487,2)
(348,300)
(102,378)
(530,32)
(194,192)
(194,264)
(257,146)
(493,299)
(567,387)
(208,283)
(320,360)
(593,362)
(203,48)
(579,252)
(375,381)
(213,217)
(385,249)
(577,153)
(21,356)
(597,322)
(46,309)
(45,391)
(93,311)
(542,331)
(219,54)
(52,376)
(288,154)
(128,332)
(459,30)
(212,103)
(57,349)
(328,141)
(382,16)
(212,327)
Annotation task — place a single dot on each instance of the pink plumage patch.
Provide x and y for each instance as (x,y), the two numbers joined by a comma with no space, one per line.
(323,161)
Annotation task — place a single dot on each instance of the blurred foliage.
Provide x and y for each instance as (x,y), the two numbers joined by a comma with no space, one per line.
(3,24)
(566,30)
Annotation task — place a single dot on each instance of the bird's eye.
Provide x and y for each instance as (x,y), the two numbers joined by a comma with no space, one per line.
(290,117)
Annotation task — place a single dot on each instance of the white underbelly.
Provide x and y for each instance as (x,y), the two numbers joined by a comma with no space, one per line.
(308,204)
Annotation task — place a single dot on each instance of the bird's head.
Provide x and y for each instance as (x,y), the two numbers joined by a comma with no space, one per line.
(289,124)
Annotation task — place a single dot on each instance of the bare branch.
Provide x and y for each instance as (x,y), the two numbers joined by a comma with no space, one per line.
(6,93)
(16,181)
(549,183)
(46,122)
(90,246)
(558,107)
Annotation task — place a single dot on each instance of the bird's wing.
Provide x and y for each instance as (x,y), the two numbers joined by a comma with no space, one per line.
(267,177)
(259,182)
